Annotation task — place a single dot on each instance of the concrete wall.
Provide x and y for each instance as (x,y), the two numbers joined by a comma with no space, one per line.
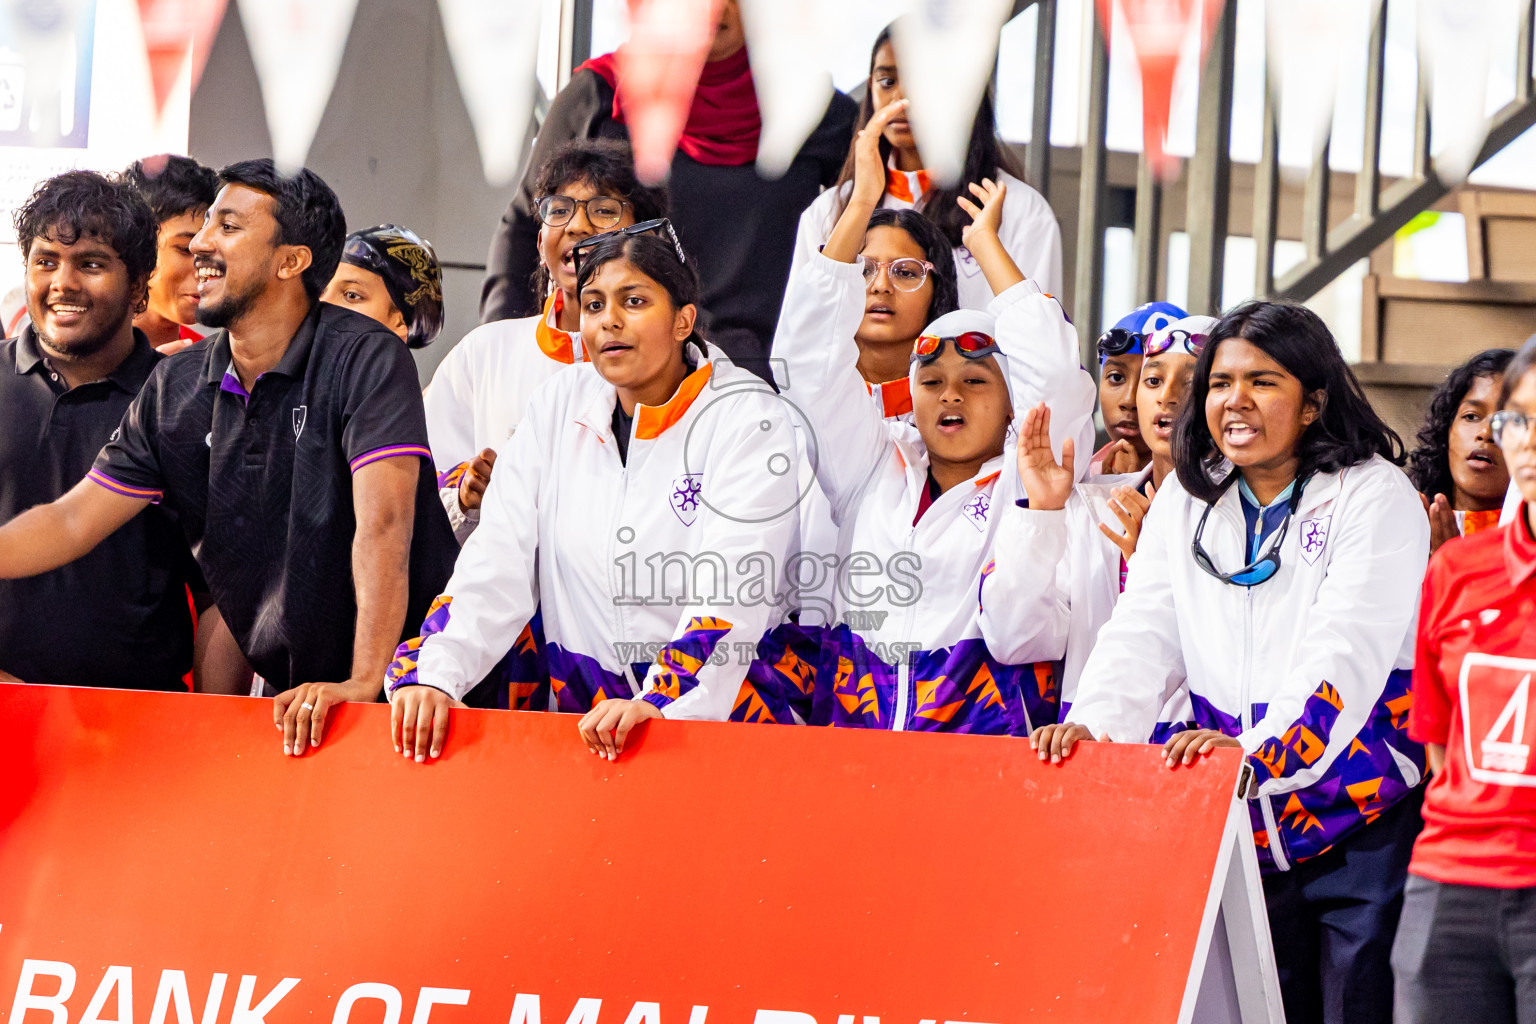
(395,142)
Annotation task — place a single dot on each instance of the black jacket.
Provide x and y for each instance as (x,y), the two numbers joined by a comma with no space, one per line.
(738,226)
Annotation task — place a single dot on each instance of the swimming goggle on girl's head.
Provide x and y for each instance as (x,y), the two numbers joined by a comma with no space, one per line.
(1187,335)
(1131,331)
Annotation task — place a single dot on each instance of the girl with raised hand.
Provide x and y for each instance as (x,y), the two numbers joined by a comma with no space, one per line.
(1457,467)
(1278,574)
(912,501)
(1027,228)
(642,508)
(480,391)
(1467,942)
(1062,557)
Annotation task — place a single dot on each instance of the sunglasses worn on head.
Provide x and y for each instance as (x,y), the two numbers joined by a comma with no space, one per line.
(1117,341)
(661,227)
(1260,569)
(1160,343)
(971,345)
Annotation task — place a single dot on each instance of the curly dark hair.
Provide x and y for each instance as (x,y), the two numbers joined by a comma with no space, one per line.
(1347,432)
(307,213)
(1429,465)
(936,250)
(608,165)
(76,203)
(173,185)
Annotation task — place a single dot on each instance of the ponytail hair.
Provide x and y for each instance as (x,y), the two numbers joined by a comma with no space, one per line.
(658,259)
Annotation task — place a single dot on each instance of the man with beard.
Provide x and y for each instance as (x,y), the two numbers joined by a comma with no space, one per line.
(293,447)
(118,616)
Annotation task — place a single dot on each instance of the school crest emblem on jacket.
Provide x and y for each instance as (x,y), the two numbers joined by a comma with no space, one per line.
(687,495)
(976,510)
(1314,537)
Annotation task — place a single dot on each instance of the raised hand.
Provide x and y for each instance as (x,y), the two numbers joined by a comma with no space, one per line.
(868,165)
(1130,507)
(1442,521)
(988,217)
(1048,483)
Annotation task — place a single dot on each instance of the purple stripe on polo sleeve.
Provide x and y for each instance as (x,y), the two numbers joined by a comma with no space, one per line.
(118,487)
(390,452)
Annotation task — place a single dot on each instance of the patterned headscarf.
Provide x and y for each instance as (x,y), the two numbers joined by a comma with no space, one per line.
(408,266)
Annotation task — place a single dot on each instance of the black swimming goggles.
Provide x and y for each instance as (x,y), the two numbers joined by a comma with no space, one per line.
(1260,569)
(1117,341)
(661,227)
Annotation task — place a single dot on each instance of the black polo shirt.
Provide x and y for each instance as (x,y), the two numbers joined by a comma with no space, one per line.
(118,616)
(262,483)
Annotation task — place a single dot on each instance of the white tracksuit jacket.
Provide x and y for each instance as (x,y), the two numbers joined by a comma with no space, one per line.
(659,577)
(906,651)
(1310,670)
(1053,582)
(480,391)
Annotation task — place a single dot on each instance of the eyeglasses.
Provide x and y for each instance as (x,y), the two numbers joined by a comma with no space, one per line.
(602,211)
(907,274)
(1510,427)
(1260,569)
(1117,341)
(1165,340)
(661,227)
(971,345)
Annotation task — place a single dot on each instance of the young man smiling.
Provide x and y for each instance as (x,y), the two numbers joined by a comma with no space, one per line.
(118,616)
(179,191)
(291,445)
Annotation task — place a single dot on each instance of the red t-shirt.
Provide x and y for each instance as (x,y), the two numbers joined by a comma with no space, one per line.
(1472,682)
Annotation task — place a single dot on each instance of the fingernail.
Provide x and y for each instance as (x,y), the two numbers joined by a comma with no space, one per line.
(286,751)
(436,753)
(420,758)
(314,742)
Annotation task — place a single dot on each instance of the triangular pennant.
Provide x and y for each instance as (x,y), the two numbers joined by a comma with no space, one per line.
(787,44)
(946,51)
(494,45)
(658,71)
(172,28)
(1307,40)
(1158,29)
(1456,41)
(297,47)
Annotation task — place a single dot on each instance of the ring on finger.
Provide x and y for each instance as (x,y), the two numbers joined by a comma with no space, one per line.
(307,706)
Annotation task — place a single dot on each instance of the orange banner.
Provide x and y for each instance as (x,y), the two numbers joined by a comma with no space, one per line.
(161,862)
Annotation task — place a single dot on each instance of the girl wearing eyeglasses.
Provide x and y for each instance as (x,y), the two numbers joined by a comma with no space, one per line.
(1466,947)
(1457,467)
(641,510)
(1062,557)
(479,392)
(914,501)
(1278,573)
(1028,228)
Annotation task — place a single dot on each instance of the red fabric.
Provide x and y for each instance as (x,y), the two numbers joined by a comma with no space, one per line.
(185,333)
(723,123)
(1479,604)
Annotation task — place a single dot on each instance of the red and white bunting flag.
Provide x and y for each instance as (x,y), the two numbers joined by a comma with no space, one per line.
(172,30)
(946,49)
(658,71)
(1306,41)
(494,45)
(787,42)
(1456,46)
(296,46)
(1158,29)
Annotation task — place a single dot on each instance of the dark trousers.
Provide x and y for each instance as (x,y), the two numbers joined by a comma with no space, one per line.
(1466,953)
(1333,919)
